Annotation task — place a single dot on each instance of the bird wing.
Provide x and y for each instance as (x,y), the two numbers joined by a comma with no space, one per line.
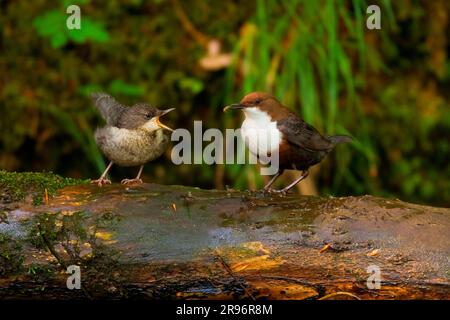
(302,134)
(108,107)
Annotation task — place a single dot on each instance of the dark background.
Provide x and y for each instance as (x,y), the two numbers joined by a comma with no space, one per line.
(388,88)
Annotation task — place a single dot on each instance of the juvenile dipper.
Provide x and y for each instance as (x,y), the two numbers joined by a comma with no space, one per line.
(132,136)
(299,145)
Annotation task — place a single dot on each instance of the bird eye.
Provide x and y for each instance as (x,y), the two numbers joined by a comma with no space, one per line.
(148,115)
(258,101)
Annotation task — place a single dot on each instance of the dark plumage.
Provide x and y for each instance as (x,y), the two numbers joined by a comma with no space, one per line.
(300,145)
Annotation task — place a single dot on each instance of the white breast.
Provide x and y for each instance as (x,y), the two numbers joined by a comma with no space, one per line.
(260,134)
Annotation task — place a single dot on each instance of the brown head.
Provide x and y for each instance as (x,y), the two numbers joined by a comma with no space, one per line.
(264,102)
(142,116)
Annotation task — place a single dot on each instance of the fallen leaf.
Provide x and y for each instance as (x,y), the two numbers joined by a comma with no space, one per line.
(45,196)
(325,248)
(256,246)
(340,296)
(257,263)
(103,235)
(373,253)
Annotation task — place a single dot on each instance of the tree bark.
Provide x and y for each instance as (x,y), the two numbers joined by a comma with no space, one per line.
(171,242)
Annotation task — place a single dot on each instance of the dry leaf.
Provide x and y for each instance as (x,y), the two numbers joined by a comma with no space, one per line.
(257,263)
(373,253)
(257,247)
(45,196)
(325,248)
(103,235)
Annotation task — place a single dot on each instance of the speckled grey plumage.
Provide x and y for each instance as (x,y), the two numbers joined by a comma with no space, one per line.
(124,140)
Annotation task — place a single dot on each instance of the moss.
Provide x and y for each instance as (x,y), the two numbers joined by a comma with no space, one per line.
(11,256)
(70,230)
(41,272)
(15,186)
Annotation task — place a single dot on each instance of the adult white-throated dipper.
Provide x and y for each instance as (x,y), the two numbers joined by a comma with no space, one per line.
(299,145)
(132,136)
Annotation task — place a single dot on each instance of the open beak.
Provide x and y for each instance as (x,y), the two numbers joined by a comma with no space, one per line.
(161,113)
(233,106)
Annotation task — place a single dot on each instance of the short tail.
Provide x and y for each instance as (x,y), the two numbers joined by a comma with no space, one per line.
(97,95)
(108,107)
(339,139)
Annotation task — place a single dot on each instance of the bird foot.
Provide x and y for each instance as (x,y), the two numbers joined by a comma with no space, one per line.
(282,192)
(130,181)
(100,182)
(273,191)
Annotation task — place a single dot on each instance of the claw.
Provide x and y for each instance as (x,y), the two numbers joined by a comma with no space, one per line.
(131,181)
(100,182)
(274,191)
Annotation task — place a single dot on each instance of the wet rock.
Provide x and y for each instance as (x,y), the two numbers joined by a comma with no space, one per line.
(130,242)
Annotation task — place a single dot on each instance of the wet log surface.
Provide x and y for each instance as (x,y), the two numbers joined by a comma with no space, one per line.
(172,242)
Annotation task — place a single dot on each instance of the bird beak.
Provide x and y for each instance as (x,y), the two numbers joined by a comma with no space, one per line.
(161,113)
(233,106)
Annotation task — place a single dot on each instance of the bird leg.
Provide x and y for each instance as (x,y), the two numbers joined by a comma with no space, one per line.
(101,181)
(135,180)
(267,186)
(303,176)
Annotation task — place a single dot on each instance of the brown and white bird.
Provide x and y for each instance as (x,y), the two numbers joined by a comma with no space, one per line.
(278,129)
(132,136)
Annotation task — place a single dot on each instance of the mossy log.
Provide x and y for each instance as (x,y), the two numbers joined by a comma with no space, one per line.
(170,242)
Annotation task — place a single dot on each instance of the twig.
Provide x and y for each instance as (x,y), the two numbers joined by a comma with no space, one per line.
(318,287)
(188,26)
(231,273)
(339,293)
(59,259)
(46,196)
(50,247)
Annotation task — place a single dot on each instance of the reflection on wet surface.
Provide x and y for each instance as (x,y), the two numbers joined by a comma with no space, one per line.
(255,233)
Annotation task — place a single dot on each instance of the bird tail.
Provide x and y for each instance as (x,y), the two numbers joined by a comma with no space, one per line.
(339,139)
(96,95)
(108,107)
(101,99)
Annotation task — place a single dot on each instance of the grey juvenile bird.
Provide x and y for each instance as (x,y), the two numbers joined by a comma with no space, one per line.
(132,136)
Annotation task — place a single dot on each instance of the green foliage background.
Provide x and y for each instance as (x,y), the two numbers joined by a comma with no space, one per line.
(388,88)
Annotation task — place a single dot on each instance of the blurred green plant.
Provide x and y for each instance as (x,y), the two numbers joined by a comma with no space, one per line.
(195,86)
(118,87)
(52,25)
(303,61)
(387,88)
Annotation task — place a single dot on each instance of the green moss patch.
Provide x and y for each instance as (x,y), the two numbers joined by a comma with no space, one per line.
(11,255)
(15,186)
